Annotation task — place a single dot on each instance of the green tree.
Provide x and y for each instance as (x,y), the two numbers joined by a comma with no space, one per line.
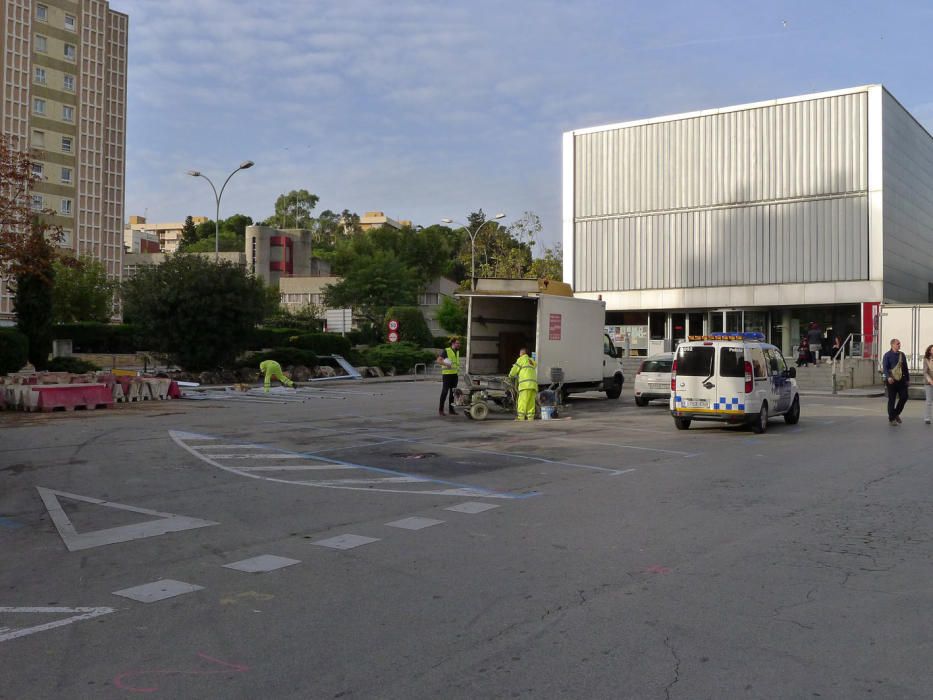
(232,235)
(32,295)
(82,291)
(452,316)
(199,312)
(189,233)
(412,326)
(550,265)
(371,284)
(293,210)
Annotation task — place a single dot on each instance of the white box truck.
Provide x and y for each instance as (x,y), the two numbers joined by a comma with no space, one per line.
(568,335)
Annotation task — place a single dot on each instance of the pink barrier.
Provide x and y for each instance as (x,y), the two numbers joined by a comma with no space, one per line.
(71,396)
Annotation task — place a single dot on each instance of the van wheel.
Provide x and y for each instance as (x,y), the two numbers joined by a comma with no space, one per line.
(681,423)
(793,414)
(761,420)
(641,401)
(614,391)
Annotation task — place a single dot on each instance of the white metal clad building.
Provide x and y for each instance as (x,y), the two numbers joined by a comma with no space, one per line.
(766,216)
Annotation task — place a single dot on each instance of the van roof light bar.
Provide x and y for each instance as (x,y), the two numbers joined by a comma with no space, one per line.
(748,335)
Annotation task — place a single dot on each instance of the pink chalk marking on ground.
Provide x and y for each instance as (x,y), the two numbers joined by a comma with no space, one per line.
(657,569)
(119,679)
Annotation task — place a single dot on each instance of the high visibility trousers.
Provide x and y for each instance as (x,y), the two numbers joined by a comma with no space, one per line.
(275,373)
(526,404)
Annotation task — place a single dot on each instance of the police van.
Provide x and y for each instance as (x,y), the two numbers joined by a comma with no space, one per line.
(732,378)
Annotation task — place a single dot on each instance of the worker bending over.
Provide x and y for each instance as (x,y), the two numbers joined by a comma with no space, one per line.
(525,369)
(273,370)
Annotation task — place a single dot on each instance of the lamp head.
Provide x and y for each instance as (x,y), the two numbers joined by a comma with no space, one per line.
(194,173)
(447,221)
(246,164)
(500,215)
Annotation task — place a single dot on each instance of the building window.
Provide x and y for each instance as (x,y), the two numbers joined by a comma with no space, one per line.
(69,83)
(66,238)
(38,106)
(37,201)
(42,44)
(42,13)
(66,144)
(70,22)
(38,139)
(70,52)
(66,207)
(66,175)
(68,113)
(38,170)
(429,299)
(39,75)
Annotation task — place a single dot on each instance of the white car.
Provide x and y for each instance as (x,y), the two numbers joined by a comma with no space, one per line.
(732,378)
(653,380)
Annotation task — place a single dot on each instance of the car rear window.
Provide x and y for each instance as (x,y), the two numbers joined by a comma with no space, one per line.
(657,366)
(695,361)
(731,362)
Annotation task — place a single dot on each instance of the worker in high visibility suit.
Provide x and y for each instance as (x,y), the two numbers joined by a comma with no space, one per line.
(449,360)
(273,370)
(525,369)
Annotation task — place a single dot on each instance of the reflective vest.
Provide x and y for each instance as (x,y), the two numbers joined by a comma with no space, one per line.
(527,372)
(454,358)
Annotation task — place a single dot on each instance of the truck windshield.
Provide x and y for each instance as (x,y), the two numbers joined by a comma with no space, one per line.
(695,361)
(732,362)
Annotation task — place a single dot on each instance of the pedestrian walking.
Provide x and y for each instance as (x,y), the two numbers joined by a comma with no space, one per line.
(897,380)
(449,360)
(837,346)
(803,352)
(815,339)
(928,383)
(526,371)
(273,370)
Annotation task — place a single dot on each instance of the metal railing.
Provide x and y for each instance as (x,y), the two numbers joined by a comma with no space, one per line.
(852,341)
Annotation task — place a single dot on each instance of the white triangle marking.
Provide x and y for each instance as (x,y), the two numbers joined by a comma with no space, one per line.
(74,540)
(7,633)
(190,436)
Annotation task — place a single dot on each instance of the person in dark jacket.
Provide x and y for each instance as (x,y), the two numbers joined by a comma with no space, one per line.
(897,379)
(815,338)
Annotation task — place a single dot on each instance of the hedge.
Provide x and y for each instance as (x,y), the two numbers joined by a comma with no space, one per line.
(99,337)
(401,357)
(322,343)
(412,326)
(14,350)
(287,357)
(71,364)
(272,337)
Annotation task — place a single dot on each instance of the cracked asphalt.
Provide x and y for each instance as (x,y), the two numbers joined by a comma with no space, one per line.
(621,559)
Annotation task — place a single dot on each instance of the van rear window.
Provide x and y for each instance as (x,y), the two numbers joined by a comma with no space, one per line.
(657,366)
(732,362)
(695,361)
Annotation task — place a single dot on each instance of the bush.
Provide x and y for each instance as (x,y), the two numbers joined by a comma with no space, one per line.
(442,341)
(74,365)
(412,326)
(287,357)
(322,343)
(367,334)
(99,337)
(272,337)
(14,350)
(401,357)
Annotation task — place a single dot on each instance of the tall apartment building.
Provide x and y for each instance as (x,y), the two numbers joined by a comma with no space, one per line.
(64,96)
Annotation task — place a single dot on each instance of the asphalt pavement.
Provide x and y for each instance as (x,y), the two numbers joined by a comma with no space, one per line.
(344,541)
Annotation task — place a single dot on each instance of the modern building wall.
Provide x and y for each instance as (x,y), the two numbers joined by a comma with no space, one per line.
(169,233)
(275,254)
(907,209)
(64,96)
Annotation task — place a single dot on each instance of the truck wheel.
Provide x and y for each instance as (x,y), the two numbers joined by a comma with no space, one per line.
(681,423)
(793,414)
(479,411)
(761,420)
(641,401)
(614,390)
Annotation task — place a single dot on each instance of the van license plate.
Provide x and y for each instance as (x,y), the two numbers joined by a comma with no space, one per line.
(695,403)
(661,386)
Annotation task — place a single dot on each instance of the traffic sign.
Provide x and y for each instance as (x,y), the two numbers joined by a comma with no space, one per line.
(393,325)
(392,337)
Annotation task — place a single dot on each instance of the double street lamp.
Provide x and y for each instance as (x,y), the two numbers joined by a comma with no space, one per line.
(473,235)
(246,164)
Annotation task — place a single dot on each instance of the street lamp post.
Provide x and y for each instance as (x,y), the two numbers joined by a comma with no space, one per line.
(246,164)
(473,235)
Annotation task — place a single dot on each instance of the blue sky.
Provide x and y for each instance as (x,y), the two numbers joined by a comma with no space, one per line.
(426,110)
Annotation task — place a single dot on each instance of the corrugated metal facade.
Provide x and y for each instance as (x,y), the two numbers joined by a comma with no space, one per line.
(763,195)
(908,206)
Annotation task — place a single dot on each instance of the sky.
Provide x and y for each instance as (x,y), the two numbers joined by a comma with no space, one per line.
(429,110)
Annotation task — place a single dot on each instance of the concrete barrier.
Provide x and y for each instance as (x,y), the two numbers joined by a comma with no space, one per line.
(71,396)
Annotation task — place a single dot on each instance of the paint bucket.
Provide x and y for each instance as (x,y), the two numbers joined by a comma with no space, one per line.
(547,412)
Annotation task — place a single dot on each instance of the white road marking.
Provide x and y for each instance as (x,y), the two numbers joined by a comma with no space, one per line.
(8,633)
(627,447)
(415,523)
(345,541)
(271,455)
(262,564)
(74,540)
(471,507)
(158,590)
(297,468)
